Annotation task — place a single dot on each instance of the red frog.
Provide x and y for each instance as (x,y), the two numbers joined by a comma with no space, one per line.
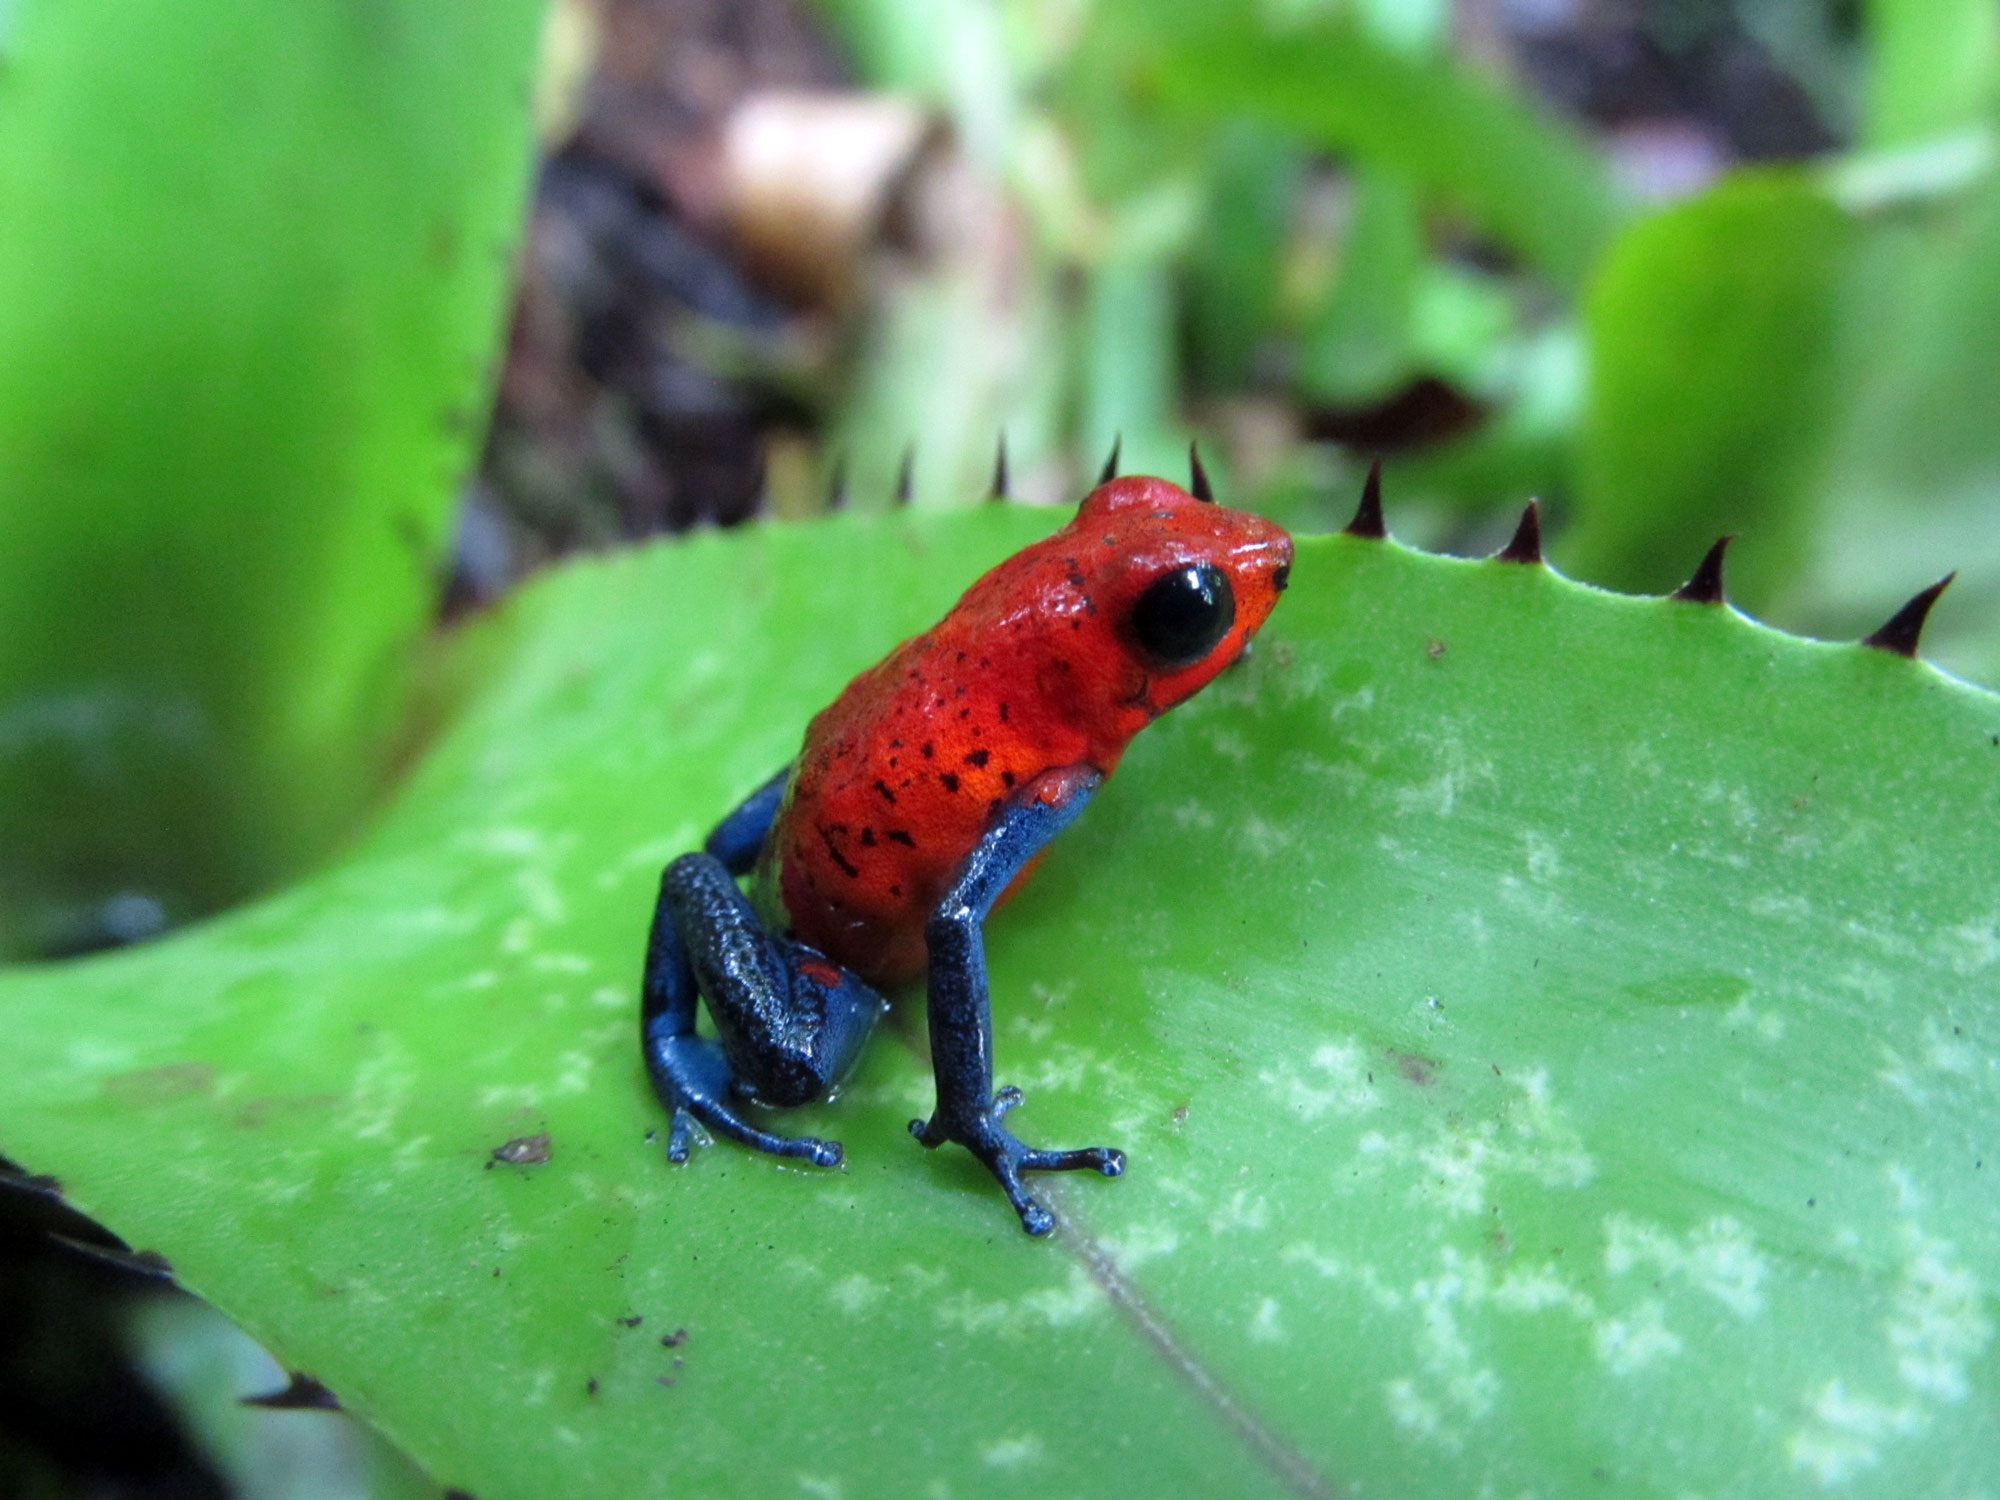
(922,796)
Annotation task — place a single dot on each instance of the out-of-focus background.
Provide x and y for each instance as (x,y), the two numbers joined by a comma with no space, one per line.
(1678,268)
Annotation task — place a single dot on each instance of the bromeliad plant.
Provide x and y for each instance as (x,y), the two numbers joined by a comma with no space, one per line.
(1553,1033)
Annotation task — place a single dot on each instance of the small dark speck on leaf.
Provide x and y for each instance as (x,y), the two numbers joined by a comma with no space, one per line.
(1180,1114)
(632,1322)
(1812,1203)
(663,1379)
(1434,648)
(460,1495)
(675,1339)
(590,1386)
(524,1150)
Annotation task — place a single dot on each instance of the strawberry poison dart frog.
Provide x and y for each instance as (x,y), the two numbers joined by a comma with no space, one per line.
(919,799)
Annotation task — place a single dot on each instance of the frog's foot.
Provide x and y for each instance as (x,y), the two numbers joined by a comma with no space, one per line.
(1007,1158)
(694,1081)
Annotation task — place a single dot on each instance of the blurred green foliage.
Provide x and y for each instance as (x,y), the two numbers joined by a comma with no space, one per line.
(251,282)
(1316,206)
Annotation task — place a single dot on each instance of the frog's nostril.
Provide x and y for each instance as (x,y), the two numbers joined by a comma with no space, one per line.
(1281,577)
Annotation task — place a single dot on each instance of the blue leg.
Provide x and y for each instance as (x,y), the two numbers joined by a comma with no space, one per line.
(790,1022)
(739,838)
(961,1022)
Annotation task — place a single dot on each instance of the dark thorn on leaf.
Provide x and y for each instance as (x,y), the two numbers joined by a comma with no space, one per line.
(1526,547)
(1000,469)
(906,475)
(149,1264)
(302,1394)
(13,1180)
(1110,470)
(1907,624)
(1705,587)
(1198,485)
(836,485)
(1367,520)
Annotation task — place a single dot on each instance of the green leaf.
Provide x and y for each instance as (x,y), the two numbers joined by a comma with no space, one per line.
(1810,364)
(1236,262)
(1356,348)
(1520,176)
(1932,68)
(1910,484)
(1554,1033)
(1712,329)
(250,284)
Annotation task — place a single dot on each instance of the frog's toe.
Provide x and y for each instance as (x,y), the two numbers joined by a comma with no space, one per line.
(680,1137)
(823,1153)
(1108,1160)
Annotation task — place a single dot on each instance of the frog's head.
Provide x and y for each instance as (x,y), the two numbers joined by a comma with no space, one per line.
(1183,583)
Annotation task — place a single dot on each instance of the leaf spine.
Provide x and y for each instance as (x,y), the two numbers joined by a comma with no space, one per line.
(1198,485)
(1367,520)
(1526,546)
(1905,627)
(999,491)
(1110,469)
(1705,586)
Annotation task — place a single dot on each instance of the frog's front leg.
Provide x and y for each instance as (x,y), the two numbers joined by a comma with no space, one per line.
(961,1023)
(790,1022)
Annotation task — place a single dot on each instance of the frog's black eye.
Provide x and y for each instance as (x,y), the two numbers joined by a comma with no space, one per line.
(1184,613)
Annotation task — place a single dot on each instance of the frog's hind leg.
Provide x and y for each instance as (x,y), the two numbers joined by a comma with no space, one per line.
(790,1023)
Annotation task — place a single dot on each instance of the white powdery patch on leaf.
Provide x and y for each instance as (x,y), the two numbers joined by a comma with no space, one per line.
(1074,1301)
(1973,947)
(1718,1259)
(1640,1338)
(1335,1079)
(1844,1434)
(1011,1452)
(1453,1383)
(1264,1327)
(1141,1243)
(1937,1326)
(1938,1323)
(856,1294)
(1532,1138)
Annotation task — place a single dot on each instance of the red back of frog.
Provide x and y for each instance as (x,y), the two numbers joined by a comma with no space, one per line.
(1054,659)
